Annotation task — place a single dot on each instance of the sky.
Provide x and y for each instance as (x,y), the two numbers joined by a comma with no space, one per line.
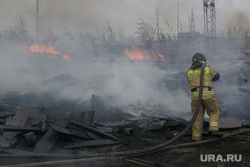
(86,15)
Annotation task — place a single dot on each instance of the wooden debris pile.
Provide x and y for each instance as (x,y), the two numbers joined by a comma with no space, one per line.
(34,132)
(36,129)
(39,131)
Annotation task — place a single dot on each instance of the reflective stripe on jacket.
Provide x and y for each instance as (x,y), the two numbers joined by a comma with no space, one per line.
(193,77)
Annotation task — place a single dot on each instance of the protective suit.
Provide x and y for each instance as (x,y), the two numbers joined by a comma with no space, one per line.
(209,101)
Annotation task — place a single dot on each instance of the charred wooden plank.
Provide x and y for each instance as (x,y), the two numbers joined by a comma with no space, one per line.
(93,135)
(8,139)
(9,152)
(140,163)
(20,119)
(183,150)
(67,132)
(30,138)
(17,128)
(2,121)
(76,129)
(45,144)
(27,118)
(105,129)
(94,130)
(96,161)
(114,124)
(144,161)
(7,113)
(37,119)
(90,143)
(83,117)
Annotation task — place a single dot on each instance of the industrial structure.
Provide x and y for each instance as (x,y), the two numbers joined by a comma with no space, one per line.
(209,25)
(193,40)
(188,41)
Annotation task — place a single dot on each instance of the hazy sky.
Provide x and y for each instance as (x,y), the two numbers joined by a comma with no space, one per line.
(85,15)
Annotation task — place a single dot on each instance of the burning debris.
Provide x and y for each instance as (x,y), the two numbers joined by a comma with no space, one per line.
(138,95)
(143,55)
(35,132)
(48,50)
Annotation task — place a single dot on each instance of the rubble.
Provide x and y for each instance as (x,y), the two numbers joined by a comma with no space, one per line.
(42,133)
(8,139)
(30,138)
(83,117)
(49,139)
(32,132)
(79,133)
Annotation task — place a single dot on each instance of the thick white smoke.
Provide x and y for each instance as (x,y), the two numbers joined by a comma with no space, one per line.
(120,82)
(126,83)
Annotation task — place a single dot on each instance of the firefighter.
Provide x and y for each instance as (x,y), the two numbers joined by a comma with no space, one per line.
(209,101)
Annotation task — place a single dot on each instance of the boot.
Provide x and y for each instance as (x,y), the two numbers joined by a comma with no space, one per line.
(215,133)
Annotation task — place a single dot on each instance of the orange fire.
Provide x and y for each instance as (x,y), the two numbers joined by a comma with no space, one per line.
(137,54)
(50,50)
(93,58)
(143,55)
(159,57)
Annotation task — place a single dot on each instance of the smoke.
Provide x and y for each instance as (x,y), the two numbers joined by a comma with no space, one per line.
(232,90)
(135,86)
(76,28)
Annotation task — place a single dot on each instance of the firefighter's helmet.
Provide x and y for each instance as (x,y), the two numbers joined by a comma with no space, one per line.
(198,57)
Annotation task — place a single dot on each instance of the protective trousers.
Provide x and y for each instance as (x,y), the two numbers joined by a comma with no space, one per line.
(213,110)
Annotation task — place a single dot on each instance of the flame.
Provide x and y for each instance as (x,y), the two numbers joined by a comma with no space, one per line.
(143,55)
(137,54)
(159,57)
(66,57)
(51,51)
(93,58)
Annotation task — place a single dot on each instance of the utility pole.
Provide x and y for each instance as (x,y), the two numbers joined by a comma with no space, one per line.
(157,24)
(192,23)
(209,25)
(178,19)
(37,8)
